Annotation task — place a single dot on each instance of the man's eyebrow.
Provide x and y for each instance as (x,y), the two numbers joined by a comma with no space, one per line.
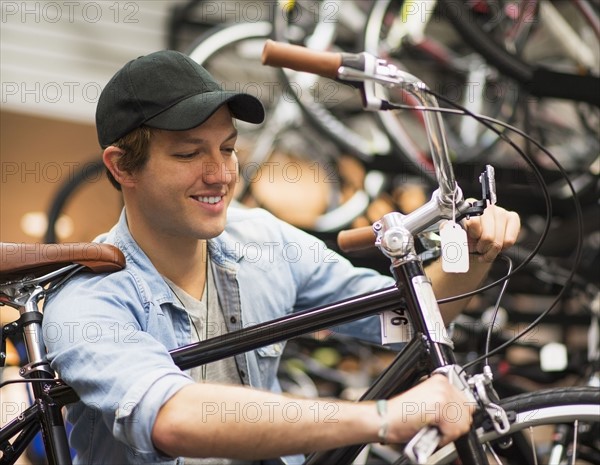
(232,135)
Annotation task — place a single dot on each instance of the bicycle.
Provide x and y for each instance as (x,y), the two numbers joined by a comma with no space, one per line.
(358,69)
(493,60)
(436,40)
(29,272)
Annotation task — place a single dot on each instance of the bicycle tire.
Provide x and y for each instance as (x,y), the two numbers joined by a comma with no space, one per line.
(541,408)
(560,69)
(537,410)
(445,61)
(442,66)
(538,80)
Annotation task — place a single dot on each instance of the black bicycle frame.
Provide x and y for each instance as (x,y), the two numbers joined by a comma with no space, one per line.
(45,415)
(418,358)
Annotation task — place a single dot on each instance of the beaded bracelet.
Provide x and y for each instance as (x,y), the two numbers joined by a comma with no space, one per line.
(383,428)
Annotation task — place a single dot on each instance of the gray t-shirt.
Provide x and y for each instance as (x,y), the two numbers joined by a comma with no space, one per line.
(207,321)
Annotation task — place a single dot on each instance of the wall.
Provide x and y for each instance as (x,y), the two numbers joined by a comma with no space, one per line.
(39,155)
(54,59)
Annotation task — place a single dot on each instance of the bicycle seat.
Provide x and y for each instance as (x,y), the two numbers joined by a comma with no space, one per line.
(31,259)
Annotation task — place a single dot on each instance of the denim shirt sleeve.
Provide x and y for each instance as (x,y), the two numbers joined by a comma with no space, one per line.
(97,333)
(301,266)
(323,276)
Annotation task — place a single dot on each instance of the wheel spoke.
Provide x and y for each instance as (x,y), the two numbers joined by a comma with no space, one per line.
(575,434)
(533,448)
(493,452)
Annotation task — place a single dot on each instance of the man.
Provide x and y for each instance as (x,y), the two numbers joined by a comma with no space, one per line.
(169,145)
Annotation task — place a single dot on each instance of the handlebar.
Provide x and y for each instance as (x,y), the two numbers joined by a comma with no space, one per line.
(352,240)
(303,59)
(365,69)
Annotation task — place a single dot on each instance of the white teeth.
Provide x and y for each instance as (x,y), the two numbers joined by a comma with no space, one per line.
(210,200)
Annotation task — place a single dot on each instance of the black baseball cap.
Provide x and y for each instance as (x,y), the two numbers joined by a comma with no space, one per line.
(166,90)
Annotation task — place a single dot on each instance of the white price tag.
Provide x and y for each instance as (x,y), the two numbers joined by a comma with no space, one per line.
(395,327)
(455,248)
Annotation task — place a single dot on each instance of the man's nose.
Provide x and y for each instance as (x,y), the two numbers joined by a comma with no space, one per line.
(216,171)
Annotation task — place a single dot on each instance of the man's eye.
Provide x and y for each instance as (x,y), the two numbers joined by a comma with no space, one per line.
(229,150)
(186,155)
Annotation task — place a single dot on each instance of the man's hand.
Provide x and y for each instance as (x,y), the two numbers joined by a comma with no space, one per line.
(496,230)
(489,234)
(435,402)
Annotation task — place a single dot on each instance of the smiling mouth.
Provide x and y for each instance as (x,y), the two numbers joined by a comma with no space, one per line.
(209,200)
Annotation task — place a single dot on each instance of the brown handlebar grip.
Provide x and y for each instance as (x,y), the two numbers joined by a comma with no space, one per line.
(356,239)
(300,58)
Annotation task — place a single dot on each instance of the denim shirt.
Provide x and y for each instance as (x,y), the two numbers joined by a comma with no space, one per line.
(109,335)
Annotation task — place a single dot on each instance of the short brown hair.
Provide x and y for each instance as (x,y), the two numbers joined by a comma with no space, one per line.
(136,145)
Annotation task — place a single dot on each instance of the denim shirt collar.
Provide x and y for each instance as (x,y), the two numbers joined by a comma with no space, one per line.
(222,251)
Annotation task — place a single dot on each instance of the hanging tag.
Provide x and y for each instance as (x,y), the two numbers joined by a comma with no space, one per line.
(395,327)
(455,248)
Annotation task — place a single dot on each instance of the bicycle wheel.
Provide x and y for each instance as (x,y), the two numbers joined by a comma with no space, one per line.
(419,37)
(416,38)
(336,109)
(538,417)
(557,44)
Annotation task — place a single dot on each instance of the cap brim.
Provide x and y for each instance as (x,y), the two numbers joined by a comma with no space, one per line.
(194,110)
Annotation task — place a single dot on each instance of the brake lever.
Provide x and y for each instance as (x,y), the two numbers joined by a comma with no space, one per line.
(487,180)
(356,69)
(488,184)
(426,441)
(422,445)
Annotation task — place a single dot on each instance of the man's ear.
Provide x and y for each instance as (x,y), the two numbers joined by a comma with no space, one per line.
(111,158)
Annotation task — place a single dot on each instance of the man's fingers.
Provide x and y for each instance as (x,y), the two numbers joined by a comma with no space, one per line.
(487,235)
(492,232)
(508,225)
(473,227)
(513,226)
